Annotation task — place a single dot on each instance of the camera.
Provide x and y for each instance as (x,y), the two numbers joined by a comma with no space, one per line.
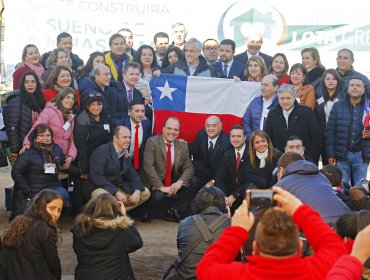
(258,199)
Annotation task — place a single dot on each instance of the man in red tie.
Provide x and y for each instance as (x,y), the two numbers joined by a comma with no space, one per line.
(231,177)
(140,132)
(168,170)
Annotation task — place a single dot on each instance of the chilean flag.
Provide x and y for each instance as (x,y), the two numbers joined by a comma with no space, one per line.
(192,99)
(366,116)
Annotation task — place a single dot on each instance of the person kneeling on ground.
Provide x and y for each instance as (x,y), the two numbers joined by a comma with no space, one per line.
(276,246)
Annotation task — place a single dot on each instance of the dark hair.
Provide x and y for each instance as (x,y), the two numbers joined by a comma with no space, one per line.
(352,223)
(93,96)
(86,70)
(260,61)
(137,57)
(117,129)
(238,126)
(62,94)
(303,69)
(24,52)
(53,57)
(287,158)
(334,175)
(179,53)
(228,42)
(63,35)
(36,100)
(135,102)
(272,152)
(210,39)
(338,89)
(41,128)
(36,211)
(285,61)
(294,137)
(277,234)
(52,80)
(102,207)
(209,196)
(134,65)
(115,36)
(160,35)
(347,50)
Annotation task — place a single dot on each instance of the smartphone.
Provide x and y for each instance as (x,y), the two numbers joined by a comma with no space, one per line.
(258,199)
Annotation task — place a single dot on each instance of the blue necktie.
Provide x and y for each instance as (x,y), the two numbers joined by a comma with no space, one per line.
(225,70)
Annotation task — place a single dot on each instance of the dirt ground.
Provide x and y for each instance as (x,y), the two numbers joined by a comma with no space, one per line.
(149,262)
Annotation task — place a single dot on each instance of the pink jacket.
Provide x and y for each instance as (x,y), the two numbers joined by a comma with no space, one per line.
(64,138)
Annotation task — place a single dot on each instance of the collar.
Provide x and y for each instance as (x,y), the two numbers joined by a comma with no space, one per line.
(249,54)
(119,154)
(214,140)
(288,112)
(241,151)
(133,124)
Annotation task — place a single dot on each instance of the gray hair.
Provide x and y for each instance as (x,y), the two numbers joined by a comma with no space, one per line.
(177,24)
(286,88)
(274,79)
(196,42)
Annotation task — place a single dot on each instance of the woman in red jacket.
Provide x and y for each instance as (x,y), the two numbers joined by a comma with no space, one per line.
(31,61)
(59,78)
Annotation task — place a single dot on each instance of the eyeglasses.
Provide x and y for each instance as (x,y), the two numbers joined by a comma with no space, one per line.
(95,94)
(44,135)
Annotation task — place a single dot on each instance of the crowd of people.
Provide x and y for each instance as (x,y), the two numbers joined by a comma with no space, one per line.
(80,142)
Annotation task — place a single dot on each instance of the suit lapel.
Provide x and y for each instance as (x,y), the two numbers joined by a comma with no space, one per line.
(163,148)
(113,155)
(177,155)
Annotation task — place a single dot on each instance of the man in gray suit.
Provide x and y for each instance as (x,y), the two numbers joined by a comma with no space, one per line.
(169,183)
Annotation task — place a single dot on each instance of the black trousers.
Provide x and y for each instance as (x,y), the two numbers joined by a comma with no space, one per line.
(159,203)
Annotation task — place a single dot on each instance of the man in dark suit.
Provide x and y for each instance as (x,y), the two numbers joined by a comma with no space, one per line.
(289,118)
(140,132)
(207,151)
(228,67)
(231,175)
(168,170)
(254,44)
(111,171)
(128,92)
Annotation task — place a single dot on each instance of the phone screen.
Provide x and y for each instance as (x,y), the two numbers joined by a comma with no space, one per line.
(260,199)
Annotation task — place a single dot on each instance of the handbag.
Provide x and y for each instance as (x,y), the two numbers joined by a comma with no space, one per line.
(206,235)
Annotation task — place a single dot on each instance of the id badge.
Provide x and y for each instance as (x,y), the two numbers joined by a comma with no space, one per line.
(106,127)
(66,125)
(49,168)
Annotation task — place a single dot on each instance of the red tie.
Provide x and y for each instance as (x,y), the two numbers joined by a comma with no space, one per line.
(167,180)
(136,147)
(237,161)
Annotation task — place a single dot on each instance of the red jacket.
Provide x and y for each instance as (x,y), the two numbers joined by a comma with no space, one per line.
(218,261)
(50,94)
(346,268)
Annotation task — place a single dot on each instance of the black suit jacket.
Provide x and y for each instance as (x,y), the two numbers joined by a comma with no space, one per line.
(198,150)
(106,171)
(243,58)
(122,101)
(147,132)
(226,175)
(236,69)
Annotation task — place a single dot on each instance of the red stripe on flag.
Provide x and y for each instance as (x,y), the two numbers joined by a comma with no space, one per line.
(191,123)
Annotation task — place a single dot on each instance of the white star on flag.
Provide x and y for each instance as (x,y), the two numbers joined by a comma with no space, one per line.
(166,91)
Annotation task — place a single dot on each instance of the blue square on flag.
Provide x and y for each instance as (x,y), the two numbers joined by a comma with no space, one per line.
(169,92)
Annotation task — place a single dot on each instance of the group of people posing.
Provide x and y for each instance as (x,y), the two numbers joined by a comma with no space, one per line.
(88,129)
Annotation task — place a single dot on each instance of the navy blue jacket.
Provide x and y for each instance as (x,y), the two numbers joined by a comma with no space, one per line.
(243,58)
(252,117)
(337,131)
(352,73)
(303,179)
(147,132)
(107,173)
(236,69)
(198,150)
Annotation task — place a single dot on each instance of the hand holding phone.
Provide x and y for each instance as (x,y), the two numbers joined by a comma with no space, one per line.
(259,199)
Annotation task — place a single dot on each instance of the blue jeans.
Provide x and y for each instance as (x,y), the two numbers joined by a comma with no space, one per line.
(353,168)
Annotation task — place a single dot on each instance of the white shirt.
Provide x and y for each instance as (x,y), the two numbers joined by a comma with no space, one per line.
(286,115)
(228,66)
(265,111)
(172,151)
(214,140)
(133,131)
(159,60)
(241,151)
(192,69)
